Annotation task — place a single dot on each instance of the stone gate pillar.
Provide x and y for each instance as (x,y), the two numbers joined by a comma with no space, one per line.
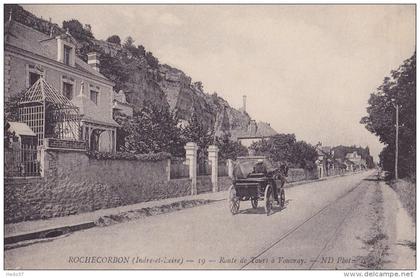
(214,161)
(191,157)
(321,171)
(230,168)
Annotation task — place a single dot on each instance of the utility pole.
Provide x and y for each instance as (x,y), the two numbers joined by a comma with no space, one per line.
(396,140)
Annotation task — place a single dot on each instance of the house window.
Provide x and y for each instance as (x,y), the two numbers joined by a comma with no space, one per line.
(67,53)
(33,73)
(68,90)
(33,77)
(94,96)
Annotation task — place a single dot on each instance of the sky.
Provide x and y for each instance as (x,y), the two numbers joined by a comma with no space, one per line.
(305,69)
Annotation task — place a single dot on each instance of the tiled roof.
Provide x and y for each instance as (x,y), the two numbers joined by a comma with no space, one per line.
(31,40)
(262,130)
(265,130)
(42,91)
(90,112)
(323,150)
(82,66)
(21,129)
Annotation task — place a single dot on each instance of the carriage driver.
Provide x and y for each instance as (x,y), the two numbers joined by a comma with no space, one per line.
(280,174)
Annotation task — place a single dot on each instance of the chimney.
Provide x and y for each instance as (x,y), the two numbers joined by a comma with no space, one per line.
(244,103)
(252,127)
(51,31)
(93,60)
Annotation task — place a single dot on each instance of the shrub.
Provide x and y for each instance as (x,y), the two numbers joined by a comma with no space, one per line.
(128,156)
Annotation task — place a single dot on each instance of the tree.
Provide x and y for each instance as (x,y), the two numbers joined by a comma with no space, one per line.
(278,147)
(229,149)
(11,107)
(141,50)
(114,68)
(11,114)
(122,131)
(304,155)
(284,148)
(397,89)
(77,30)
(199,86)
(83,36)
(114,39)
(129,42)
(152,130)
(197,132)
(152,60)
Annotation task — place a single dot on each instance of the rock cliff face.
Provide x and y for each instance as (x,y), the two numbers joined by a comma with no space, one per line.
(169,86)
(187,98)
(142,87)
(183,97)
(159,85)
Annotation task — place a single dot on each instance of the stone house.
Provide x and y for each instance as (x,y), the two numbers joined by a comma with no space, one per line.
(30,55)
(326,163)
(254,133)
(356,160)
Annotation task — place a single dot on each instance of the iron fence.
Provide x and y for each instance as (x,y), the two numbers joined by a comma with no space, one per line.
(222,170)
(21,161)
(179,169)
(203,168)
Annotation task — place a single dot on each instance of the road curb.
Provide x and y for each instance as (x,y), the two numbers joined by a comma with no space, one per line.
(49,233)
(104,220)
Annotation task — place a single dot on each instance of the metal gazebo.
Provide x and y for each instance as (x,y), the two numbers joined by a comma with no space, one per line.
(49,113)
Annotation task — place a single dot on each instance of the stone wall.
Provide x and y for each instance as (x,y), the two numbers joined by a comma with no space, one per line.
(298,174)
(204,184)
(73,183)
(23,198)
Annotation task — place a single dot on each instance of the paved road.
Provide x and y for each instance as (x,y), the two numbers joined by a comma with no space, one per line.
(313,231)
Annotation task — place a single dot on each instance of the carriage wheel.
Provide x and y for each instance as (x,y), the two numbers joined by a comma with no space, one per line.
(254,203)
(268,198)
(282,198)
(233,201)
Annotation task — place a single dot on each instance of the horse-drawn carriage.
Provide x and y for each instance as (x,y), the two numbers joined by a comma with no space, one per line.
(256,179)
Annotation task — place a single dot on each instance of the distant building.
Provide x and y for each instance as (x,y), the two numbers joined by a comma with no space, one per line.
(326,163)
(255,133)
(356,161)
(121,105)
(30,55)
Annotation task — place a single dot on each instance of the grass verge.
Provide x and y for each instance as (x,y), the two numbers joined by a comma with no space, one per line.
(406,191)
(376,239)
